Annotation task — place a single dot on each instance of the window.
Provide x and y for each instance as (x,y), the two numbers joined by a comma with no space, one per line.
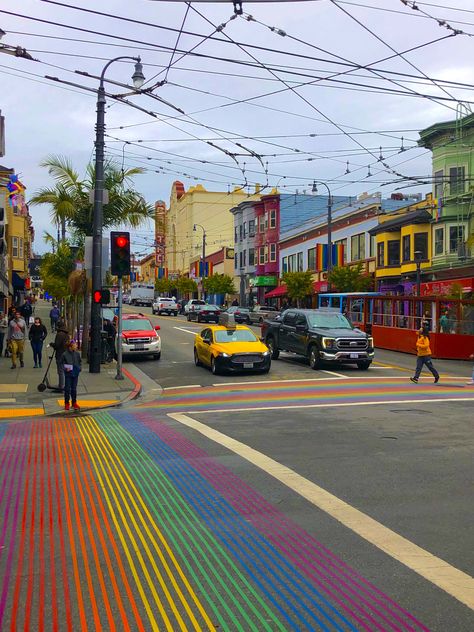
(266,220)
(15,247)
(245,229)
(312,259)
(261,224)
(299,262)
(421,244)
(289,319)
(261,255)
(393,250)
(284,263)
(372,246)
(241,259)
(244,258)
(236,235)
(300,320)
(251,256)
(21,247)
(381,255)
(406,243)
(456,238)
(236,261)
(291,263)
(456,180)
(273,221)
(266,254)
(343,242)
(439,241)
(358,247)
(251,228)
(273,253)
(438,183)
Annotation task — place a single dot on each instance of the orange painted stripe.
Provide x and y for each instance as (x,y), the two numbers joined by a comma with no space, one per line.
(111,541)
(80,533)
(31,548)
(52,568)
(59,516)
(77,579)
(41,537)
(74,439)
(9,413)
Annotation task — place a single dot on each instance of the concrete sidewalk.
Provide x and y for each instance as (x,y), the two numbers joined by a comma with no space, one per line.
(19,395)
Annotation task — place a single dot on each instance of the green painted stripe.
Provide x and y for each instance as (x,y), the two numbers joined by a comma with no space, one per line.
(184,520)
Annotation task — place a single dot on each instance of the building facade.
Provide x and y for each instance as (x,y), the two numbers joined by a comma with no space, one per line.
(191,214)
(244,248)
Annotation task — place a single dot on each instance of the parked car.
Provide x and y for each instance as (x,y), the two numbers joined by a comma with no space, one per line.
(260,312)
(320,335)
(193,301)
(164,305)
(140,337)
(231,348)
(204,313)
(240,314)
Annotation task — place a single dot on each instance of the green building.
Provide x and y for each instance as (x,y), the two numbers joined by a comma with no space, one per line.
(452,144)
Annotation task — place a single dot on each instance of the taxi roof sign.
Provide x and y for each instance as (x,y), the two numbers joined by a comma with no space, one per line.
(227,320)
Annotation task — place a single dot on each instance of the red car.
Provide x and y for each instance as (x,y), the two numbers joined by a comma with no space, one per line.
(139,336)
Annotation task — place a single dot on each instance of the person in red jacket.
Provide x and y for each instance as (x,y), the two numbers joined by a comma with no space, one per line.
(424,356)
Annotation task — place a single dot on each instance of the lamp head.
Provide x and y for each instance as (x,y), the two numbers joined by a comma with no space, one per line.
(138,77)
(418,255)
(314,188)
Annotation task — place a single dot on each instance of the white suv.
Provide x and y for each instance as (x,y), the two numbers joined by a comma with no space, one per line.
(164,305)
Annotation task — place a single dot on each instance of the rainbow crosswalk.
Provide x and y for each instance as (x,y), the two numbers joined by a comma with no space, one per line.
(119,522)
(311,393)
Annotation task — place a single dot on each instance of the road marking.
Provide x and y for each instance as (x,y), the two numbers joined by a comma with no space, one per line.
(334,373)
(328,379)
(187,331)
(381,367)
(332,405)
(8,400)
(13,388)
(456,583)
(7,413)
(175,388)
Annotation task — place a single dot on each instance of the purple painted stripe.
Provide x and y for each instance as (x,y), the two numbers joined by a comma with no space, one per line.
(280,531)
(17,472)
(8,452)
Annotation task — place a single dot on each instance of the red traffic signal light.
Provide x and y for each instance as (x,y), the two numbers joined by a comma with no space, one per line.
(102,297)
(121,241)
(120,263)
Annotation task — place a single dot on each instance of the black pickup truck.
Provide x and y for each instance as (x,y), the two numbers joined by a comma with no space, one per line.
(320,335)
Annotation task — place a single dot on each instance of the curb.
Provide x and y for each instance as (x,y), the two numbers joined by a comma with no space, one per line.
(137,389)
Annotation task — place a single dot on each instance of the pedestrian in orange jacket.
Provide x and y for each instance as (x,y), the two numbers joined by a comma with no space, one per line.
(424,356)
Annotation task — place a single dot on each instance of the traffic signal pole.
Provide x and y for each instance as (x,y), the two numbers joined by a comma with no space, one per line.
(119,375)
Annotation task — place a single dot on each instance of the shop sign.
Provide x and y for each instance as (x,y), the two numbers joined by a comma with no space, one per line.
(263,281)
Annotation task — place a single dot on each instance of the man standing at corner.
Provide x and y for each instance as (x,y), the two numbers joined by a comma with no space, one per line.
(16,338)
(59,345)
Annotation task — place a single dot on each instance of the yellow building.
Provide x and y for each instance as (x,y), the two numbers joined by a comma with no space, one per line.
(209,211)
(17,236)
(403,239)
(147,268)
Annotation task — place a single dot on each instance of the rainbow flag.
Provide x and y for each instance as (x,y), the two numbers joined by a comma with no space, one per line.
(197,269)
(337,258)
(161,273)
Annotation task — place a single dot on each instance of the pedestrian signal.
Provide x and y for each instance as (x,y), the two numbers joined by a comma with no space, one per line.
(102,297)
(120,253)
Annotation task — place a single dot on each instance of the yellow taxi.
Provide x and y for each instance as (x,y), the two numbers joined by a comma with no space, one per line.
(230,347)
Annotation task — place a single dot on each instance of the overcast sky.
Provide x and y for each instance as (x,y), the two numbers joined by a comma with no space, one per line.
(305,133)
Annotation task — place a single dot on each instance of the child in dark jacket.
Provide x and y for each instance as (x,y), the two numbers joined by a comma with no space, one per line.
(71,364)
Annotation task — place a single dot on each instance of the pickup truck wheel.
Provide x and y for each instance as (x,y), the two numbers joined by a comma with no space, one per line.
(157,356)
(363,366)
(270,342)
(188,318)
(313,357)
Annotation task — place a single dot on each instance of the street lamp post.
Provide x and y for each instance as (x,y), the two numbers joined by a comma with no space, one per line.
(96,324)
(203,254)
(418,258)
(329,222)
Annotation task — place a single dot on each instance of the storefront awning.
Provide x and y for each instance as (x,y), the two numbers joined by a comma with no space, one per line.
(278,291)
(17,282)
(435,288)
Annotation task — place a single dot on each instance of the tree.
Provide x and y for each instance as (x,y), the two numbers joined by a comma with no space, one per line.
(219,284)
(55,269)
(299,284)
(350,279)
(163,286)
(185,285)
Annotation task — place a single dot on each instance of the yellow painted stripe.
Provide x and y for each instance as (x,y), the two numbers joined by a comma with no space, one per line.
(7,413)
(104,481)
(456,583)
(92,403)
(134,495)
(13,388)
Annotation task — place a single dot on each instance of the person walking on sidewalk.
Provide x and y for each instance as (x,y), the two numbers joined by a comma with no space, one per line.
(26,311)
(37,336)
(54,315)
(59,345)
(3,330)
(16,338)
(71,363)
(424,356)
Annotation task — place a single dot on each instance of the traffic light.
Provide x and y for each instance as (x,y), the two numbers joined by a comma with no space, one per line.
(120,253)
(102,297)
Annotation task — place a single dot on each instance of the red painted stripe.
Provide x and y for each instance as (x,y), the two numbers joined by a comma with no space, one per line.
(103,522)
(31,545)
(59,516)
(41,586)
(52,561)
(137,385)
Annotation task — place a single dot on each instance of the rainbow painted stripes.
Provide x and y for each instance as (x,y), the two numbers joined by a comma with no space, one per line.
(119,522)
(330,392)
